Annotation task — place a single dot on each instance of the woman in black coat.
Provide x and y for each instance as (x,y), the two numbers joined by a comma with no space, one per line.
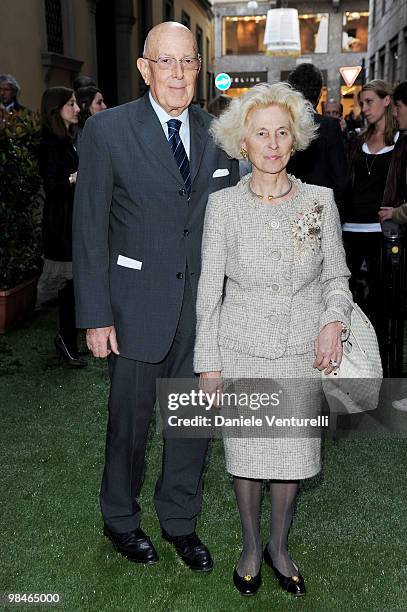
(58,163)
(371,155)
(90,101)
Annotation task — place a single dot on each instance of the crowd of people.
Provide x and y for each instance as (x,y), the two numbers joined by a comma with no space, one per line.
(283,207)
(64,112)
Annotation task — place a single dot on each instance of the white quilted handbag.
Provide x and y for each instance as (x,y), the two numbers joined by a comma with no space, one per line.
(346,389)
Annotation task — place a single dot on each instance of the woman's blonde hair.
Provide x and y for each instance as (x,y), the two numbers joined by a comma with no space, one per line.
(229,130)
(381,89)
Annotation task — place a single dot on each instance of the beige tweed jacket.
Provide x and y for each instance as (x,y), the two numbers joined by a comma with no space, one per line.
(280,262)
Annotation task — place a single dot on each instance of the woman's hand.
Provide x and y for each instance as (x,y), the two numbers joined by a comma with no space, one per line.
(328,347)
(386,213)
(211,383)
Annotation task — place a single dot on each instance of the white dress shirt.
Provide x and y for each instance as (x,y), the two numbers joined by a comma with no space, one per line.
(163,117)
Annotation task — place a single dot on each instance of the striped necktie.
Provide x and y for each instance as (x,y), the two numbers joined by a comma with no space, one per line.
(179,152)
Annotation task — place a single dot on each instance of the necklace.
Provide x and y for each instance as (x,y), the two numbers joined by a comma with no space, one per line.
(272,197)
(369,167)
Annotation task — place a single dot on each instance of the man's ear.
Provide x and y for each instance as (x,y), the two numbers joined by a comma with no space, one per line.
(144,68)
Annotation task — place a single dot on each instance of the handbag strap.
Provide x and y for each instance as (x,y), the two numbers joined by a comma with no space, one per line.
(346,295)
(358,311)
(354,337)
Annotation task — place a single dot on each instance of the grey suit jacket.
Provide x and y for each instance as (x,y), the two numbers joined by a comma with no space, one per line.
(281,263)
(135,231)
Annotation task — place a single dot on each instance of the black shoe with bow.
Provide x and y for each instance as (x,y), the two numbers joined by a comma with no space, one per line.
(247,585)
(135,545)
(191,550)
(292,584)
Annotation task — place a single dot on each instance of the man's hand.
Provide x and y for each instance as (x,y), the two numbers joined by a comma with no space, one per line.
(328,347)
(102,341)
(386,213)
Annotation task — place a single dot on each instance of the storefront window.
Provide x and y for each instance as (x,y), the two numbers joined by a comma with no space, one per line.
(243,35)
(314,33)
(354,32)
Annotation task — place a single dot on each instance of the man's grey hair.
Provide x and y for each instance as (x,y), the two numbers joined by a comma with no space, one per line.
(10,80)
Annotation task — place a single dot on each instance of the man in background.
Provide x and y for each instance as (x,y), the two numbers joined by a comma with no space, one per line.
(333,108)
(324,162)
(9,90)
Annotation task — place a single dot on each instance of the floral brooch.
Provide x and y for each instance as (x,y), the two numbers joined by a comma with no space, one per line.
(306,227)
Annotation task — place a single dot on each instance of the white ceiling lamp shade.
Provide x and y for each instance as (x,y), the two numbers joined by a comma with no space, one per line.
(282,34)
(321,39)
(252,5)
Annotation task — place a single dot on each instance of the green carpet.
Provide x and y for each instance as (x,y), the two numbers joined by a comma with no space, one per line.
(349,534)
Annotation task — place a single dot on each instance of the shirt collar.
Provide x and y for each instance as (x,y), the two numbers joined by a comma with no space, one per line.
(163,116)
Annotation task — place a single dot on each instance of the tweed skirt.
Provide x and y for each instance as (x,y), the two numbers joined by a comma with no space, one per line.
(282,455)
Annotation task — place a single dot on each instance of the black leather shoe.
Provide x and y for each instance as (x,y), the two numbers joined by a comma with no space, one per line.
(191,550)
(247,585)
(135,545)
(64,353)
(292,584)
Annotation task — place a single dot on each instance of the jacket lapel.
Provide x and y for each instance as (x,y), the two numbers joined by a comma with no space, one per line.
(148,129)
(145,123)
(198,138)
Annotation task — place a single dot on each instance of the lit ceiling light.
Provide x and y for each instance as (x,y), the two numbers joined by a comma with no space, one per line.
(252,5)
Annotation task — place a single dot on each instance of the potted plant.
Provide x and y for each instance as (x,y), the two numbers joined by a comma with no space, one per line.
(20,215)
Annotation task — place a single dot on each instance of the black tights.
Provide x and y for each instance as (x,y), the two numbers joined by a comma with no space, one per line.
(283,495)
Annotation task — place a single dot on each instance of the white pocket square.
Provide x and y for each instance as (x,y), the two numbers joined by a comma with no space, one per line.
(220,172)
(127,262)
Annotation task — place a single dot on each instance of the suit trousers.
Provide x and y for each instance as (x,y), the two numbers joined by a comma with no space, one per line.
(178,492)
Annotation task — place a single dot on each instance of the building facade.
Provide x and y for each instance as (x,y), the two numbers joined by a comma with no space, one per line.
(333,34)
(46,43)
(388,40)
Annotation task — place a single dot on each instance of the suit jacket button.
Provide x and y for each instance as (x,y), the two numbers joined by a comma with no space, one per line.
(276,255)
(180,275)
(186,232)
(274,224)
(275,287)
(182,192)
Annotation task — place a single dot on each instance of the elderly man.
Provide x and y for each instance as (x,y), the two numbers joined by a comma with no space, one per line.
(146,171)
(9,89)
(333,108)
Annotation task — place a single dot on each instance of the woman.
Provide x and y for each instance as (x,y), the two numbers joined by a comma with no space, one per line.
(370,160)
(58,163)
(278,242)
(90,101)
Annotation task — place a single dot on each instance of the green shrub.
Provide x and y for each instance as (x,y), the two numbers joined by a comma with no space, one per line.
(20,198)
